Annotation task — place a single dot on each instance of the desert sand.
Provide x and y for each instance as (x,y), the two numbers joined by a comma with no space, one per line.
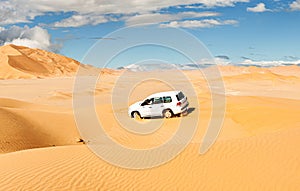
(257,148)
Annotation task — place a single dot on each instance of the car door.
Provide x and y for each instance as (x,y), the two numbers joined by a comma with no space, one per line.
(146,107)
(168,102)
(157,106)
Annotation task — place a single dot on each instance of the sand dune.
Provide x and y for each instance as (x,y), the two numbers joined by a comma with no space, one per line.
(18,62)
(257,148)
(267,162)
(22,62)
(25,125)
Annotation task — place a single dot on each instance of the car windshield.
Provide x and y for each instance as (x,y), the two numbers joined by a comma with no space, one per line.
(146,102)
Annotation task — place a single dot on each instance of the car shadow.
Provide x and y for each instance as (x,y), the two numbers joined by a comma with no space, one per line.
(190,110)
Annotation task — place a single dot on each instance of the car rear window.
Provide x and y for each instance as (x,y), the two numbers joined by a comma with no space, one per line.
(180,96)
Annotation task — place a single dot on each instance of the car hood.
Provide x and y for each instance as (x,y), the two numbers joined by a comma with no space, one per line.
(135,105)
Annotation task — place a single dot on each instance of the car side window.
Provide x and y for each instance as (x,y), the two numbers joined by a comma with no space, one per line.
(167,99)
(158,100)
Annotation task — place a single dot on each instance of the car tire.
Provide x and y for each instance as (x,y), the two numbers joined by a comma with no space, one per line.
(136,115)
(168,113)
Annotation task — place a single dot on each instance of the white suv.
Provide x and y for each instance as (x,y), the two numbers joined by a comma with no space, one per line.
(166,104)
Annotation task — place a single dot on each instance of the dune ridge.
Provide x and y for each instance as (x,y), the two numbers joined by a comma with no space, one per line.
(18,62)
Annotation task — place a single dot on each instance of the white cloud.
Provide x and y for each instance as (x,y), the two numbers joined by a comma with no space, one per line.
(35,37)
(214,61)
(263,63)
(12,12)
(206,23)
(81,20)
(154,18)
(16,11)
(206,63)
(259,8)
(295,5)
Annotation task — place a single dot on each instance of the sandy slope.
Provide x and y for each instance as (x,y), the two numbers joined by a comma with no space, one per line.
(25,125)
(22,62)
(257,149)
(268,162)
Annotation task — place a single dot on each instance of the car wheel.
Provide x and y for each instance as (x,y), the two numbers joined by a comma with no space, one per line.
(168,113)
(136,115)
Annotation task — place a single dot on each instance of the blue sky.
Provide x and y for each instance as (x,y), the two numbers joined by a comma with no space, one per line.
(241,30)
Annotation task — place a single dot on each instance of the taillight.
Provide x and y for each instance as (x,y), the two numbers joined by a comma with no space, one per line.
(178,104)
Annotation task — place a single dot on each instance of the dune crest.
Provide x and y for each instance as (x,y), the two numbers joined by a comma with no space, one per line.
(18,62)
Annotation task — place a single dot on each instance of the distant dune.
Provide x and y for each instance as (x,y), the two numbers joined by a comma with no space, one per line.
(42,149)
(21,62)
